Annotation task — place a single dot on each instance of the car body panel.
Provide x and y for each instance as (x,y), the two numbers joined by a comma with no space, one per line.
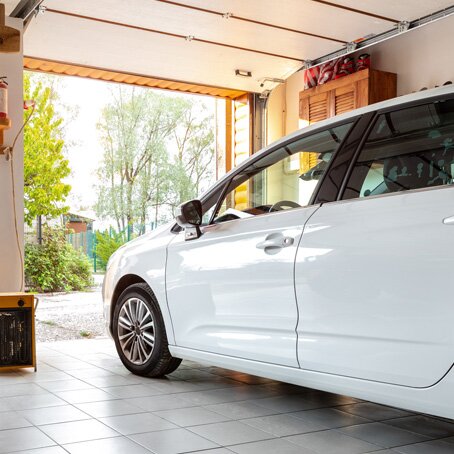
(227,296)
(144,257)
(373,282)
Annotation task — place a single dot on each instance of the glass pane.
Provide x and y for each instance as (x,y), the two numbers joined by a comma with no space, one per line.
(408,149)
(282,180)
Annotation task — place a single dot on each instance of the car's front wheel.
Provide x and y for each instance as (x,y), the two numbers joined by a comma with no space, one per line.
(139,333)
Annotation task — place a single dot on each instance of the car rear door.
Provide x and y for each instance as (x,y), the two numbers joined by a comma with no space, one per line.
(374,269)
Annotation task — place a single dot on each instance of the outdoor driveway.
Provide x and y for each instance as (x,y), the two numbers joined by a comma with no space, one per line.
(65,316)
(82,401)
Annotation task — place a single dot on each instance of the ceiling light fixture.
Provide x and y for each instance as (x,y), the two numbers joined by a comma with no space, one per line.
(243,73)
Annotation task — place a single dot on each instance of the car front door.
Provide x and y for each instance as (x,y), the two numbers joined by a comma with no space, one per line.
(231,291)
(374,269)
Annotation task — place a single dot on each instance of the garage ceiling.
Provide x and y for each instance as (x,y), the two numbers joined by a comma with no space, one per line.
(204,41)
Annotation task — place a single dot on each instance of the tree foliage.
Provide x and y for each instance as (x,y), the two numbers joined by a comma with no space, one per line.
(158,151)
(45,165)
(106,244)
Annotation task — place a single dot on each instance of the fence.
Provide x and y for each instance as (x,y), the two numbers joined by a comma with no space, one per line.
(86,241)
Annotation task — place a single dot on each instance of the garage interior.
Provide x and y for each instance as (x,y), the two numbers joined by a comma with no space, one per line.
(252,55)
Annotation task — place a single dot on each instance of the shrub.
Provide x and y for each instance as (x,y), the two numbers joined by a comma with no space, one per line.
(55,265)
(106,244)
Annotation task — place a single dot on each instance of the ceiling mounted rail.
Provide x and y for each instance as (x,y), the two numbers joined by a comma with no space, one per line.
(401,27)
(229,15)
(26,10)
(173,35)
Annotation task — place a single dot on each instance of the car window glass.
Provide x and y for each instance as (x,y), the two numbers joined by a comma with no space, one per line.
(282,180)
(408,149)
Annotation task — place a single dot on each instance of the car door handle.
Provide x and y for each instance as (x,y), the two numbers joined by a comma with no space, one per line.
(449,220)
(274,241)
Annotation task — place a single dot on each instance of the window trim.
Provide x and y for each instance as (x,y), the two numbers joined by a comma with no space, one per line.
(313,200)
(372,123)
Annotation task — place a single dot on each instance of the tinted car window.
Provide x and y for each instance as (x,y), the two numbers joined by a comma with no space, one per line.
(284,179)
(408,149)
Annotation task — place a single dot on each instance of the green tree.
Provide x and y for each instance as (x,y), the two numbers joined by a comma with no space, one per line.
(106,244)
(193,140)
(45,165)
(158,153)
(134,129)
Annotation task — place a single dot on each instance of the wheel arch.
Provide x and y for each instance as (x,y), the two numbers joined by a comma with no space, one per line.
(122,284)
(158,290)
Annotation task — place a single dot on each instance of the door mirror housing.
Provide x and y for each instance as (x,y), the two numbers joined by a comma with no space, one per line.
(189,216)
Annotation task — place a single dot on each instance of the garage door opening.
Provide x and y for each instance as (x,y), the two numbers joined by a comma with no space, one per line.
(105,163)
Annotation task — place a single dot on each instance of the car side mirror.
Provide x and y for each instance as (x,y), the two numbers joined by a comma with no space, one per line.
(189,216)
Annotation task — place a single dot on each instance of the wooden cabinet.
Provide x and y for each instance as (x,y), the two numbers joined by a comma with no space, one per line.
(347,93)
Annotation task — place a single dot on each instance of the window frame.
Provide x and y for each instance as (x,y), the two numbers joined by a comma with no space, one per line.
(278,146)
(366,134)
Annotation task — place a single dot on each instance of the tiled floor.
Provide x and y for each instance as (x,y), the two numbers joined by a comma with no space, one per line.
(83,401)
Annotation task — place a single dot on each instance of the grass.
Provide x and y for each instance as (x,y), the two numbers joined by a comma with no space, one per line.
(84,333)
(49,322)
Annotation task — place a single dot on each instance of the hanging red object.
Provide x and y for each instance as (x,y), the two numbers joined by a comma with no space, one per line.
(3,98)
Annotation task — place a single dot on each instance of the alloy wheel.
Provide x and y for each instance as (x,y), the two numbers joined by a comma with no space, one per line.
(136,331)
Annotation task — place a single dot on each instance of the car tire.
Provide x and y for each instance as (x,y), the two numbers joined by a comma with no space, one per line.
(139,333)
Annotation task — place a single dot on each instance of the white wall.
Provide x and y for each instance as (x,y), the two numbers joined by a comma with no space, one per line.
(420,58)
(11,65)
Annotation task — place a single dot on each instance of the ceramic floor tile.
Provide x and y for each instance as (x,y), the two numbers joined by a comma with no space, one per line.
(431,447)
(12,420)
(130,391)
(85,395)
(240,410)
(63,413)
(24,389)
(22,439)
(133,424)
(230,433)
(109,408)
(373,411)
(330,418)
(283,425)
(111,380)
(195,416)
(174,441)
(287,404)
(213,451)
(118,445)
(276,446)
(424,425)
(75,431)
(332,442)
(383,435)
(49,450)
(157,403)
(65,385)
(29,402)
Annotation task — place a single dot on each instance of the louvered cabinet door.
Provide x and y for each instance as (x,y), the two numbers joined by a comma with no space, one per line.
(315,108)
(344,99)
(345,94)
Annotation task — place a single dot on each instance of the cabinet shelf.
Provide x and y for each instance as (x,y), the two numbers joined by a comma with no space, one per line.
(347,93)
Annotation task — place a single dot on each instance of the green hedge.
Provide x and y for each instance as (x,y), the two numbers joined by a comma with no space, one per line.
(55,266)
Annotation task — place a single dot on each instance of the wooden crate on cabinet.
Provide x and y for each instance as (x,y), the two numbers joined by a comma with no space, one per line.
(347,93)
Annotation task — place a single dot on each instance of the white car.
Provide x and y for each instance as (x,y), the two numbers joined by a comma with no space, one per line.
(325,260)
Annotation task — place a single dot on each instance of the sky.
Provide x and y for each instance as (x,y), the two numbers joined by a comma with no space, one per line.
(80,104)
